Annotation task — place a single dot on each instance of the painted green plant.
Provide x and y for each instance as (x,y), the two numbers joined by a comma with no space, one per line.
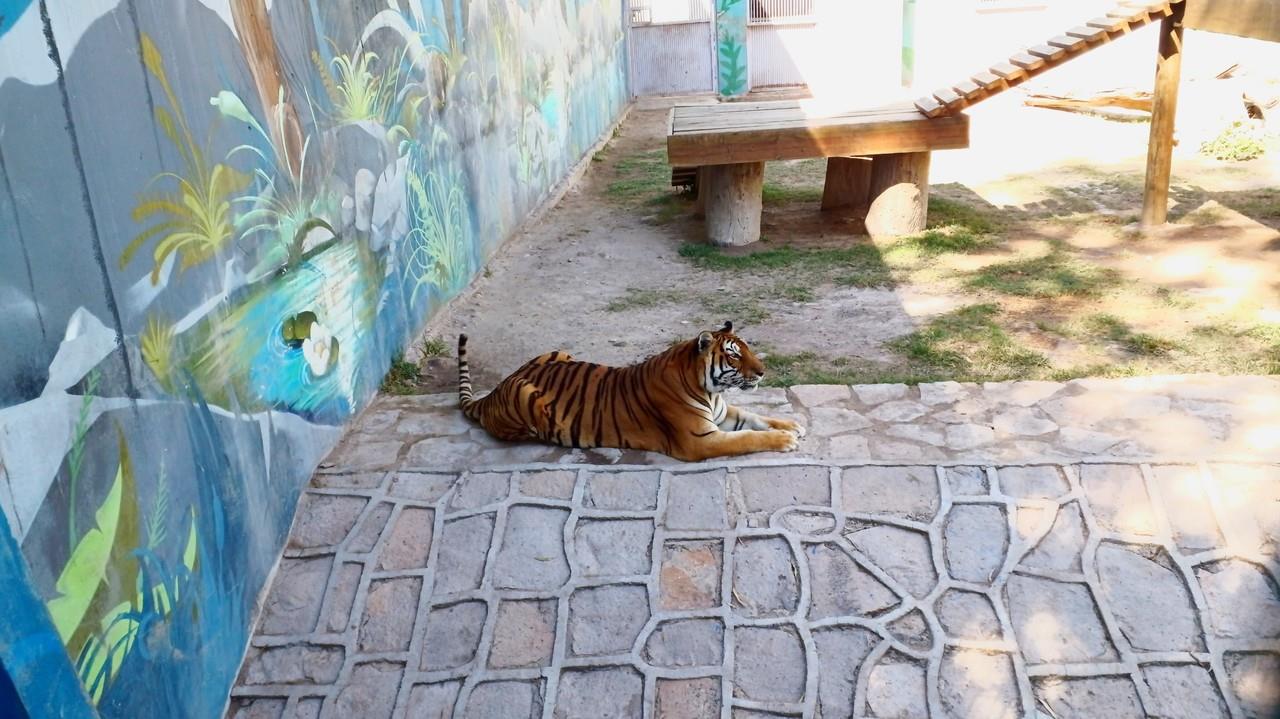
(193,220)
(103,592)
(359,92)
(437,249)
(75,457)
(731,21)
(733,71)
(156,342)
(280,208)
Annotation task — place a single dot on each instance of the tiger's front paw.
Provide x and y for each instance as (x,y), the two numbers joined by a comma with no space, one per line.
(788,425)
(780,440)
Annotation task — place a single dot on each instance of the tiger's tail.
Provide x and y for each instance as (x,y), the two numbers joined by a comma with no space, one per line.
(466,398)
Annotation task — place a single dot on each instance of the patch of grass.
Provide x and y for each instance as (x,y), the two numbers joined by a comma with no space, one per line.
(785,370)
(968,345)
(856,266)
(941,241)
(635,299)
(737,308)
(1173,298)
(1113,329)
(434,347)
(1238,142)
(640,176)
(1048,277)
(944,213)
(402,378)
(787,194)
(795,293)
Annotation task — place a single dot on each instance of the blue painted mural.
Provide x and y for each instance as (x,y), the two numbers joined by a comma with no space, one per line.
(219,221)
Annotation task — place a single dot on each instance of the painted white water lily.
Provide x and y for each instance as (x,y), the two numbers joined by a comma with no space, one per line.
(320,349)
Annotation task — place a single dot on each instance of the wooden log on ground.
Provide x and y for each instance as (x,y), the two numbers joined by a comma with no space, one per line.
(899,194)
(1155,194)
(734,198)
(1128,99)
(848,182)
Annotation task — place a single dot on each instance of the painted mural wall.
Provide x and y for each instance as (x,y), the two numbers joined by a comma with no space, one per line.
(219,220)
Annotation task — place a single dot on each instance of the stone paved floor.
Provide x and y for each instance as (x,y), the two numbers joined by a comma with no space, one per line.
(776,589)
(1187,418)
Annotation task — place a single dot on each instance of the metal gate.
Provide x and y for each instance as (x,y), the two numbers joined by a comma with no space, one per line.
(672,47)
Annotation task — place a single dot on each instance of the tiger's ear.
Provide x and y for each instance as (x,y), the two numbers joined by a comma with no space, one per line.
(704,341)
(728,326)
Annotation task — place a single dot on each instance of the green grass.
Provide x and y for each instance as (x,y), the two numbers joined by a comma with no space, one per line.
(434,347)
(856,266)
(644,183)
(795,293)
(635,299)
(967,344)
(944,213)
(739,309)
(1113,329)
(402,377)
(1238,142)
(785,370)
(1052,276)
(786,194)
(640,177)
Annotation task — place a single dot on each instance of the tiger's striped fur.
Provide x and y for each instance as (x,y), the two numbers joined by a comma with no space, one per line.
(670,403)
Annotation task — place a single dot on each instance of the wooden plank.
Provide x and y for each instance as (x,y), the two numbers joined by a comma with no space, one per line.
(1140,18)
(1110,24)
(947,96)
(1092,34)
(728,122)
(911,115)
(719,107)
(1048,52)
(1027,61)
(1258,19)
(968,89)
(1070,44)
(871,138)
(930,107)
(1009,73)
(988,80)
(1164,108)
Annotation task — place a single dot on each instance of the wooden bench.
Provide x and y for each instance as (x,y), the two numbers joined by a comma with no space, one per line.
(877,159)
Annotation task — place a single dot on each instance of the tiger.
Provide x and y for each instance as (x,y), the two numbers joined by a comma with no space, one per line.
(670,403)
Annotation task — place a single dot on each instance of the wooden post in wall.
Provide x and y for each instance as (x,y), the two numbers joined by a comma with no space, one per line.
(1164,110)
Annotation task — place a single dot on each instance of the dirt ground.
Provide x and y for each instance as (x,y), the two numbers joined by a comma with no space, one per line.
(1033,266)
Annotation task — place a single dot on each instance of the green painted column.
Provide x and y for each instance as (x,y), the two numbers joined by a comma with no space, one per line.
(908,42)
(731,47)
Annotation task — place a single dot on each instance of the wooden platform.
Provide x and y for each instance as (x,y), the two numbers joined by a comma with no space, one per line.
(782,130)
(878,160)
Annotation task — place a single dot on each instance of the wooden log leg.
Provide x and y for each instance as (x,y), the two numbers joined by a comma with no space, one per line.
(847,184)
(1164,109)
(700,194)
(734,199)
(899,194)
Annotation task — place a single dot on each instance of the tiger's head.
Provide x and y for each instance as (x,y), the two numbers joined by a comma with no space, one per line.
(727,361)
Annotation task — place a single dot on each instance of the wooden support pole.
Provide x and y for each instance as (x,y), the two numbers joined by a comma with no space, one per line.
(700,196)
(734,199)
(899,194)
(1164,110)
(848,182)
